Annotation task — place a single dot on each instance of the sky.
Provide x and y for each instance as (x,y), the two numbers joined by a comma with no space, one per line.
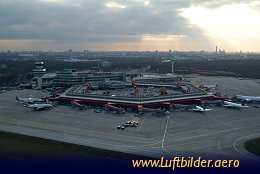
(130,25)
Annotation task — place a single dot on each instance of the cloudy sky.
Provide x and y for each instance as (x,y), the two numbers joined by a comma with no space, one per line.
(186,25)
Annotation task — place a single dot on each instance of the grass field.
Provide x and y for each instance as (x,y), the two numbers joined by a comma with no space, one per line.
(18,147)
(253,146)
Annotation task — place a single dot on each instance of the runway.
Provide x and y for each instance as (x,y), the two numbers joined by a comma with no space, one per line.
(221,132)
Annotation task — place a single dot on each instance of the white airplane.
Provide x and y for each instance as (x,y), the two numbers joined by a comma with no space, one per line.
(208,87)
(247,98)
(29,100)
(200,109)
(234,105)
(37,107)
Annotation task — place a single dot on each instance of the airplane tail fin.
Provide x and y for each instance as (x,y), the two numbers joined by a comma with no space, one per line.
(17,98)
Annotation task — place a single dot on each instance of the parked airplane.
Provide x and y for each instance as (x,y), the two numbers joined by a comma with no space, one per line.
(208,87)
(191,108)
(37,107)
(182,106)
(117,110)
(29,100)
(233,105)
(247,98)
(158,112)
(200,109)
(75,103)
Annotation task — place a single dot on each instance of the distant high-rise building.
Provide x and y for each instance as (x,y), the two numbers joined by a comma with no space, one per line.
(3,66)
(173,67)
(221,52)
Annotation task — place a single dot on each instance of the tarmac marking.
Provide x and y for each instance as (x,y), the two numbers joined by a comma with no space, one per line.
(191,142)
(80,141)
(152,144)
(164,135)
(19,126)
(234,145)
(235,129)
(217,132)
(219,148)
(102,143)
(139,127)
(141,142)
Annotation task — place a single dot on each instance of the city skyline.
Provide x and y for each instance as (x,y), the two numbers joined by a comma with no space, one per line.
(131,25)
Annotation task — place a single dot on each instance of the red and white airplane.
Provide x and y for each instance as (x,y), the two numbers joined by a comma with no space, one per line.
(118,110)
(75,103)
(158,112)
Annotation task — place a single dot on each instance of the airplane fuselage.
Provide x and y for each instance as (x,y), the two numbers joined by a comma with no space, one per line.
(234,105)
(39,106)
(29,100)
(248,98)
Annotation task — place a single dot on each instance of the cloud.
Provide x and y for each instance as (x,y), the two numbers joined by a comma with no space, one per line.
(232,26)
(114,5)
(88,20)
(219,3)
(101,22)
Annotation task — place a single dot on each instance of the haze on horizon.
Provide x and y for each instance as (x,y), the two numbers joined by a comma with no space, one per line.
(130,25)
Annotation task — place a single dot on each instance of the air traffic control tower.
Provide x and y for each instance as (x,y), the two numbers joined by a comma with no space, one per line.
(38,72)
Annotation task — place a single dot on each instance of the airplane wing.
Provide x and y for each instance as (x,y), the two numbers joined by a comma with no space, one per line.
(247,100)
(232,106)
(195,110)
(38,108)
(235,106)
